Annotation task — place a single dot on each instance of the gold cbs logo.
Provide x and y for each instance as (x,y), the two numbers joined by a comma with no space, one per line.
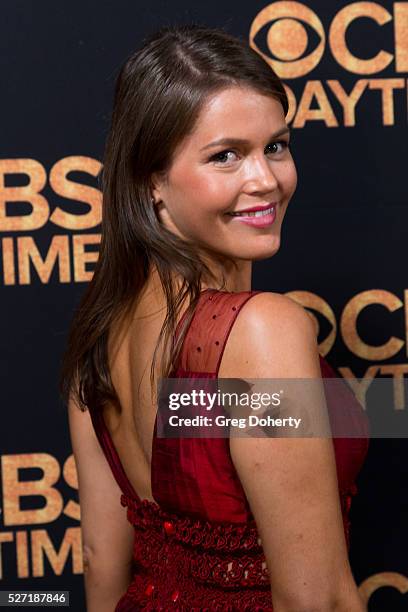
(287,38)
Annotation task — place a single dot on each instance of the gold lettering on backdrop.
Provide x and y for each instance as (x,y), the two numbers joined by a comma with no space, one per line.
(21,254)
(348,101)
(58,252)
(352,339)
(397,371)
(401,36)
(76,191)
(36,544)
(81,256)
(314,89)
(22,557)
(9,271)
(315,302)
(383,579)
(348,325)
(337,37)
(286,41)
(360,387)
(387,86)
(14,489)
(41,546)
(6,536)
(70,475)
(292,103)
(287,37)
(301,112)
(29,193)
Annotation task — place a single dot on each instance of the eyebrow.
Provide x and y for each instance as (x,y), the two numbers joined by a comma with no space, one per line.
(243,141)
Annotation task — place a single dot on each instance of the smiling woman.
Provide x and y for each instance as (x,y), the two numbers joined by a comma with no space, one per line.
(217,190)
(197,178)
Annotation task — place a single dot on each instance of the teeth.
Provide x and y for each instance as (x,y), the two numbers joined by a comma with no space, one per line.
(258,213)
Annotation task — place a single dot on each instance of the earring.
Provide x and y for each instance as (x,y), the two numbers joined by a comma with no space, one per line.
(153,201)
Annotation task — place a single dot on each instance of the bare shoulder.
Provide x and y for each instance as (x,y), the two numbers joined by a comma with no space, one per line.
(268,310)
(290,482)
(272,336)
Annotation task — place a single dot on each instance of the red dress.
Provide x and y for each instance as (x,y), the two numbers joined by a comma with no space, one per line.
(196,548)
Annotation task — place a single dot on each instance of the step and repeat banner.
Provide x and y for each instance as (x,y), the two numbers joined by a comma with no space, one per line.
(343,253)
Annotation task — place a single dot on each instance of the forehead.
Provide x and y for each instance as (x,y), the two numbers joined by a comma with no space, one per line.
(237,112)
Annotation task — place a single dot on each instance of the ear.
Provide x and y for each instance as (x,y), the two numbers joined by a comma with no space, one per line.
(158,180)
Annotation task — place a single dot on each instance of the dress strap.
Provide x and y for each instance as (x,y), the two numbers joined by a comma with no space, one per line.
(209,329)
(111,454)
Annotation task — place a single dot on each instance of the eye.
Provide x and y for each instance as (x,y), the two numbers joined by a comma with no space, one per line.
(277,147)
(222,156)
(273,148)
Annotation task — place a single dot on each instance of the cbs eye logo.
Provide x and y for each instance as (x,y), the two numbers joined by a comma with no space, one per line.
(283,32)
(287,38)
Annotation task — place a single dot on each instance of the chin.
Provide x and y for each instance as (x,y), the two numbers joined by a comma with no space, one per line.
(269,248)
(259,252)
(265,255)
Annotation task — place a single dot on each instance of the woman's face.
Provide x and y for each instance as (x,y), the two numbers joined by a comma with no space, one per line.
(236,158)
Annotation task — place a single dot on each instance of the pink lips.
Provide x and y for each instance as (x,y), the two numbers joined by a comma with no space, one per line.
(263,221)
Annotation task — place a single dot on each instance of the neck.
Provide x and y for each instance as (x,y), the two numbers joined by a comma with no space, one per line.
(229,277)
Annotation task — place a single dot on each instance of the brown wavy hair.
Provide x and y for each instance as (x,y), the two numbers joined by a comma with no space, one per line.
(159,93)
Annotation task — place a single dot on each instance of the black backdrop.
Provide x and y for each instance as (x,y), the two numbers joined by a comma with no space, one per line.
(343,246)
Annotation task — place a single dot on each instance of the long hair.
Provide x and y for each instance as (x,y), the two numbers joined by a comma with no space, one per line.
(159,93)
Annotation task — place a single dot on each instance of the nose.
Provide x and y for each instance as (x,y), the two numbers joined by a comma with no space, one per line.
(260,176)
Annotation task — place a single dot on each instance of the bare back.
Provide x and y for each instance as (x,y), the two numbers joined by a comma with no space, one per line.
(132,342)
(130,351)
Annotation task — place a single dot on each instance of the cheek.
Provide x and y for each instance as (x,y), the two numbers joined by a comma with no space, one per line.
(205,194)
(288,178)
(196,205)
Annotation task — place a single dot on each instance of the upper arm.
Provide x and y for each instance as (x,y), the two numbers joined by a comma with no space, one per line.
(107,535)
(290,483)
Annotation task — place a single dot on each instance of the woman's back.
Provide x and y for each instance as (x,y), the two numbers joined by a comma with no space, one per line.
(196,542)
(130,351)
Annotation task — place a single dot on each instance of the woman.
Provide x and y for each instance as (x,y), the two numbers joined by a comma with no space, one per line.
(198,137)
